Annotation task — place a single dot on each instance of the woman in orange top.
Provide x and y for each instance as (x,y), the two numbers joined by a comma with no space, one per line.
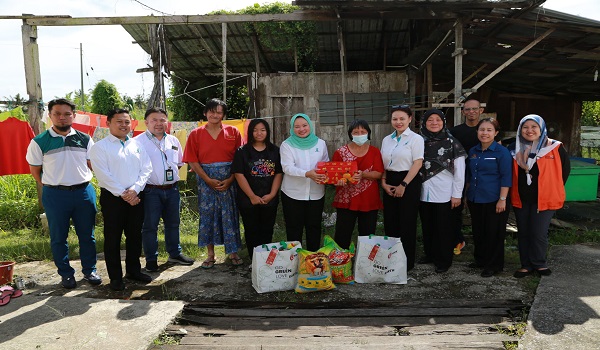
(541,167)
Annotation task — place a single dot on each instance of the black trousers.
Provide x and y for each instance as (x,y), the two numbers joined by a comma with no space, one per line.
(489,230)
(456,216)
(300,215)
(438,235)
(400,214)
(121,217)
(259,221)
(533,235)
(346,220)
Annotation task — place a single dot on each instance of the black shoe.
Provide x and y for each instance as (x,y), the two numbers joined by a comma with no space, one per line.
(69,282)
(181,260)
(93,278)
(142,277)
(441,269)
(425,260)
(151,266)
(117,285)
(544,272)
(475,265)
(487,273)
(521,274)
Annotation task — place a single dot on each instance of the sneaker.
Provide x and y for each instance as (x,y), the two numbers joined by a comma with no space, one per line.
(181,260)
(151,266)
(459,247)
(69,282)
(93,278)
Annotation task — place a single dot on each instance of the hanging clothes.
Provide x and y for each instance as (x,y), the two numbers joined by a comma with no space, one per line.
(15,136)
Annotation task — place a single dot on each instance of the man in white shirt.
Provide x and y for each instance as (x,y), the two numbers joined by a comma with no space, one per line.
(58,160)
(161,195)
(122,168)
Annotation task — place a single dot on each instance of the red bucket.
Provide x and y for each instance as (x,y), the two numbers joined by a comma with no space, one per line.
(6,271)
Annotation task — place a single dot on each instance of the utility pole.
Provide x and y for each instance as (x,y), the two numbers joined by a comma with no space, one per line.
(81,73)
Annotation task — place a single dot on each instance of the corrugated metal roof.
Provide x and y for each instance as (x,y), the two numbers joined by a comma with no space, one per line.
(375,37)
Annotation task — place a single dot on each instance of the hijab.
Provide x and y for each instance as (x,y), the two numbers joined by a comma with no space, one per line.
(526,153)
(302,143)
(441,148)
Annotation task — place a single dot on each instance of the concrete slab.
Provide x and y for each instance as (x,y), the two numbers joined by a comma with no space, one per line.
(566,309)
(62,322)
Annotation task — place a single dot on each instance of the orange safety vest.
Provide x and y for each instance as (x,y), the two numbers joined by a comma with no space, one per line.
(551,189)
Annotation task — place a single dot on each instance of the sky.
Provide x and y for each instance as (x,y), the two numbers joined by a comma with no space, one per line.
(108,51)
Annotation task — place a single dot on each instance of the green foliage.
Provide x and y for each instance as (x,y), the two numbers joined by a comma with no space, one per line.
(105,98)
(184,107)
(17,187)
(15,112)
(15,214)
(285,36)
(75,97)
(237,100)
(590,113)
(15,101)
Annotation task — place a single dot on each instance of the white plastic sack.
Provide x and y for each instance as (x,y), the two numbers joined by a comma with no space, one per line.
(380,259)
(275,267)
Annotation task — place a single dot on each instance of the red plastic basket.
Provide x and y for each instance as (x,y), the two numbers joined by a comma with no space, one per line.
(6,271)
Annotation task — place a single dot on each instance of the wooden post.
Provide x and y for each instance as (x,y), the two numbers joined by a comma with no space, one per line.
(33,79)
(224,59)
(343,68)
(429,73)
(458,68)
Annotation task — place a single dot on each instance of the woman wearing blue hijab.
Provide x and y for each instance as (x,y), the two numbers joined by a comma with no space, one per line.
(303,192)
(541,167)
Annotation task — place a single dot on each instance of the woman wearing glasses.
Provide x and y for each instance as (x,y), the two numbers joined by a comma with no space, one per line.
(402,154)
(443,181)
(541,167)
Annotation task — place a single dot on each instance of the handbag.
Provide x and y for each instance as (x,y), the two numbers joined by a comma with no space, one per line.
(380,259)
(275,266)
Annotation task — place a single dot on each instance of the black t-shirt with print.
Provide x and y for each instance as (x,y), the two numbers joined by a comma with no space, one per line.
(259,169)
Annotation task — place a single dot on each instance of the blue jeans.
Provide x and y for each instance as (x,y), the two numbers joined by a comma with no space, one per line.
(161,203)
(61,206)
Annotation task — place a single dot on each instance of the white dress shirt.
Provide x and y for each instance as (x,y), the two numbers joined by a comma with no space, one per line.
(164,154)
(444,185)
(295,163)
(120,166)
(399,153)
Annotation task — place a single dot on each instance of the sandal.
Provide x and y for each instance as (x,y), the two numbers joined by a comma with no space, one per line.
(15,292)
(208,263)
(5,297)
(237,261)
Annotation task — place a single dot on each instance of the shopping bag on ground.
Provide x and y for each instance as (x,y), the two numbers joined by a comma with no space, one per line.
(275,266)
(340,260)
(380,259)
(314,273)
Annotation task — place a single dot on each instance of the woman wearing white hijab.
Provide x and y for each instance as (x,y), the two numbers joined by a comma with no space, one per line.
(541,167)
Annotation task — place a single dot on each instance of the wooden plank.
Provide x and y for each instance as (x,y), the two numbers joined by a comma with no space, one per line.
(451,311)
(300,15)
(306,328)
(485,341)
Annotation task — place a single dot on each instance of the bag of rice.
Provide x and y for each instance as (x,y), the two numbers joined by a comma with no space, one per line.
(340,260)
(314,273)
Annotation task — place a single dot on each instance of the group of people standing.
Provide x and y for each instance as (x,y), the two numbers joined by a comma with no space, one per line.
(430,174)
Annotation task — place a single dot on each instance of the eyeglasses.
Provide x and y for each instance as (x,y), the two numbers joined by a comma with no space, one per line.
(400,106)
(471,109)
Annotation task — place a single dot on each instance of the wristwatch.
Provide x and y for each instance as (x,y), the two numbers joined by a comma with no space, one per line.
(403,184)
(502,198)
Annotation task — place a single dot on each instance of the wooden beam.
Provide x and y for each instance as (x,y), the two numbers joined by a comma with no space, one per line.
(342,49)
(458,69)
(224,58)
(301,15)
(33,78)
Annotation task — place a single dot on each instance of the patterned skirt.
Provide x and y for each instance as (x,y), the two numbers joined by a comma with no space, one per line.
(219,219)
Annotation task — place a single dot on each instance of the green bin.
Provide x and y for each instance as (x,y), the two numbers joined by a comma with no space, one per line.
(582,184)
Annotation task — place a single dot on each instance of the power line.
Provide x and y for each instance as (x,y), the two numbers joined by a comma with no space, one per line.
(153,9)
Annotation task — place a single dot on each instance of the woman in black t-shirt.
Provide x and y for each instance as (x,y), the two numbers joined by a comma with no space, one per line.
(257,169)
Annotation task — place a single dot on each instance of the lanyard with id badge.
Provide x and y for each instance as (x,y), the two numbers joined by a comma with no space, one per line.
(169,174)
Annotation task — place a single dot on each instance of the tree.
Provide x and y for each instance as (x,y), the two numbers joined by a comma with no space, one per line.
(590,113)
(185,107)
(15,101)
(75,97)
(105,98)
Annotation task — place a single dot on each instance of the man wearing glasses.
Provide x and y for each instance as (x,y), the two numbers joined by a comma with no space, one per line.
(466,134)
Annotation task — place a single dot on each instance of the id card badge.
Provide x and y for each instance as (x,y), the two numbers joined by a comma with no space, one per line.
(169,175)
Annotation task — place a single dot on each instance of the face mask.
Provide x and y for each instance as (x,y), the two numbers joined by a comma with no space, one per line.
(360,139)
